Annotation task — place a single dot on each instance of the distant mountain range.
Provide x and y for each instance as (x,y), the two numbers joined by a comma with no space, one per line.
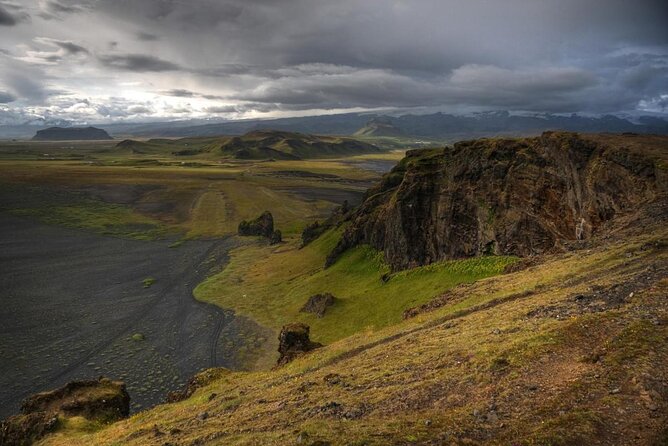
(436,126)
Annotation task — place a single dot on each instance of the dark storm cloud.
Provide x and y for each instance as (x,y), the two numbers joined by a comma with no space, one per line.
(264,56)
(6,19)
(66,45)
(6,97)
(182,93)
(12,14)
(137,62)
(25,86)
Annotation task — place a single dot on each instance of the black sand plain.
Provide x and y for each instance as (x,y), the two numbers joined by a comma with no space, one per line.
(74,305)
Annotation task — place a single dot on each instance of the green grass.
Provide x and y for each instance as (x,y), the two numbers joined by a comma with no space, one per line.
(148,282)
(270,285)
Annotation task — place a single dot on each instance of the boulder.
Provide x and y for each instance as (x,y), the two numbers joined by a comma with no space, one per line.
(100,400)
(276,237)
(262,226)
(318,304)
(294,341)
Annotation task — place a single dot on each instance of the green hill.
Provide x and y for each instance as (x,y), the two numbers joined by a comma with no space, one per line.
(289,145)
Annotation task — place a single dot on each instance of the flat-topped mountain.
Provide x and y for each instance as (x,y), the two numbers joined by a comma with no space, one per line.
(507,196)
(71,134)
(291,145)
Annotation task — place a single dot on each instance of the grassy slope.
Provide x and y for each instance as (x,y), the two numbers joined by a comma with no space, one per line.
(513,359)
(271,284)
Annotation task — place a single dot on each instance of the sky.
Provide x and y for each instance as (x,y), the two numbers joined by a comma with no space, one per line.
(96,61)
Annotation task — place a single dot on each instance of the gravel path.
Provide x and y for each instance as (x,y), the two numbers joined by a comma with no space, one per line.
(71,303)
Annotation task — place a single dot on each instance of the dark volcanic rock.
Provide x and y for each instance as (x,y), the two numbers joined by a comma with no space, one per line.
(262,226)
(294,341)
(71,133)
(502,196)
(102,400)
(276,237)
(318,304)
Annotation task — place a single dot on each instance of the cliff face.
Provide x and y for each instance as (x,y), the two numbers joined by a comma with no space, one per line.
(503,196)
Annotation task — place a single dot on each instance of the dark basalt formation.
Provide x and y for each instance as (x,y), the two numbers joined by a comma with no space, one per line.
(318,304)
(294,341)
(275,237)
(263,226)
(505,196)
(102,400)
(71,134)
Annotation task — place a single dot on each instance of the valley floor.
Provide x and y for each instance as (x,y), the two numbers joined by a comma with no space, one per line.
(75,305)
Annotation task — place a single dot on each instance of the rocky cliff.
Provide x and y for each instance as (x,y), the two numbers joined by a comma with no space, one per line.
(506,196)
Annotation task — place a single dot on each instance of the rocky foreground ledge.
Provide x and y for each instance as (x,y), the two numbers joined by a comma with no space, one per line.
(101,400)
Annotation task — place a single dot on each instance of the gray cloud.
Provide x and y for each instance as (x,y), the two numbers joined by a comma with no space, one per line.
(6,97)
(266,57)
(217,109)
(6,19)
(182,93)
(12,14)
(66,45)
(140,109)
(57,9)
(147,37)
(137,62)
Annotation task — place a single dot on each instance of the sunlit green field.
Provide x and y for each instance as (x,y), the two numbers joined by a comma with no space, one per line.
(271,284)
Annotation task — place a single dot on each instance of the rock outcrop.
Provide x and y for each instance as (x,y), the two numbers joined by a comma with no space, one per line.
(263,226)
(71,134)
(294,341)
(504,196)
(103,400)
(318,304)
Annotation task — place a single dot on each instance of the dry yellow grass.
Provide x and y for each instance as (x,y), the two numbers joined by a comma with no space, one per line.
(514,359)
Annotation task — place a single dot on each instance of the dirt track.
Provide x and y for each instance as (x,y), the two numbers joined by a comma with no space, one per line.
(70,302)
